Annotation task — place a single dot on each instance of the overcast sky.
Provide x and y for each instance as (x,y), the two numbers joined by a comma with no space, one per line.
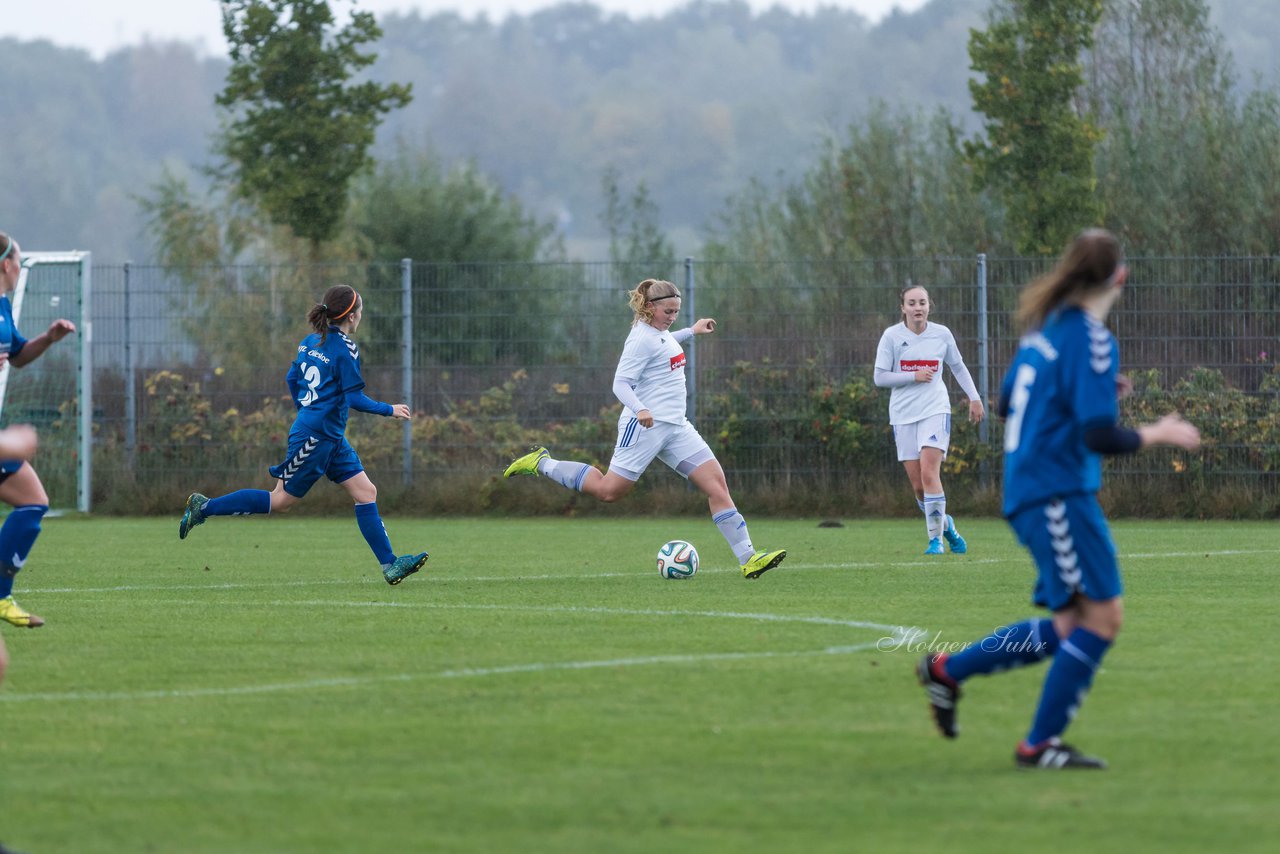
(100,26)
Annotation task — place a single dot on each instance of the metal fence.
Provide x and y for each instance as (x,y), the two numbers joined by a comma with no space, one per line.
(189,366)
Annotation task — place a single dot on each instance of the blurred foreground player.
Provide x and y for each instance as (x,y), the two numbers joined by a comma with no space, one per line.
(1059,400)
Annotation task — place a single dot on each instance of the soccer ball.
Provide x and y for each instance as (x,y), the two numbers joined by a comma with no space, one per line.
(677,559)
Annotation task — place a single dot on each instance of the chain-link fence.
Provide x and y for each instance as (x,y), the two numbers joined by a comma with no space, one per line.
(190,363)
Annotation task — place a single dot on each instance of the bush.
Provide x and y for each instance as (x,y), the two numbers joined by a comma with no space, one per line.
(791,440)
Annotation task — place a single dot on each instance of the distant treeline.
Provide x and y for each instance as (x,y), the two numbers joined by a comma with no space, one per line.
(694,103)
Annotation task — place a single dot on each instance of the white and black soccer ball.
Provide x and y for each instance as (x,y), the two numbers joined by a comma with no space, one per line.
(677,559)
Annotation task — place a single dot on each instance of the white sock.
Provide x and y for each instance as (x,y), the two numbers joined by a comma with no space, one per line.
(935,514)
(734,529)
(568,474)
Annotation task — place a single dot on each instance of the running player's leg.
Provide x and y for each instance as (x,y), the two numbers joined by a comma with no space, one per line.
(1073,551)
(21,489)
(365,497)
(585,478)
(690,456)
(242,502)
(580,477)
(636,448)
(346,470)
(912,468)
(305,461)
(934,499)
(1008,647)
(933,436)
(905,437)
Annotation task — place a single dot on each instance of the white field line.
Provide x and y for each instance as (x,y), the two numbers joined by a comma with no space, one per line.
(443,577)
(461,673)
(896,631)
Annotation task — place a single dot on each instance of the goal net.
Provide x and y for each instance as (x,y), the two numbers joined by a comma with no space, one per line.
(55,392)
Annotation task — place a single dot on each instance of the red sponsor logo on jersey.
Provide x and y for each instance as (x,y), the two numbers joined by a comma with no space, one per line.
(677,361)
(917,364)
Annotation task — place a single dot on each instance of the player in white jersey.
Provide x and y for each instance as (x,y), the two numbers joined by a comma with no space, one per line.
(909,360)
(649,382)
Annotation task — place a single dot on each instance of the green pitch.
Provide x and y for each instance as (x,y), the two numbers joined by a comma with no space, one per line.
(539,688)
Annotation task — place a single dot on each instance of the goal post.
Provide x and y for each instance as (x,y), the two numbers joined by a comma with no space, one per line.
(55,392)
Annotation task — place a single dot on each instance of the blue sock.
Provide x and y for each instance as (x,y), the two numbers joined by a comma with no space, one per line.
(1008,646)
(375,533)
(1066,683)
(244,502)
(17,536)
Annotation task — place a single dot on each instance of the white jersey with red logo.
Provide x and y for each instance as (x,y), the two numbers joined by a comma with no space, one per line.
(652,364)
(903,351)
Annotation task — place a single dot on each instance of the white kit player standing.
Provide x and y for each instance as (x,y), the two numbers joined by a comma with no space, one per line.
(909,360)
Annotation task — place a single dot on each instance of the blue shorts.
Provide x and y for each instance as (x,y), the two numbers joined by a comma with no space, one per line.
(1072,549)
(309,457)
(8,467)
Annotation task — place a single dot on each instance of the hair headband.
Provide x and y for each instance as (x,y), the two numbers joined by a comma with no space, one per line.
(660,299)
(354,299)
(7,250)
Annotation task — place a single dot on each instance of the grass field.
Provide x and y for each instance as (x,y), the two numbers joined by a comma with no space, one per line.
(540,689)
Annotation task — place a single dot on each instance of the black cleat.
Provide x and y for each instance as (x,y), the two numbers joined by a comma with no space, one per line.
(943,693)
(1055,753)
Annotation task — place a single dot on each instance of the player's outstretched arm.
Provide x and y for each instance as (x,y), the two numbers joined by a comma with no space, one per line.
(35,347)
(1171,430)
(18,442)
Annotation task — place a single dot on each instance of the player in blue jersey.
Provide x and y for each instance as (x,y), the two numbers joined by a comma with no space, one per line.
(909,360)
(20,486)
(649,383)
(325,382)
(17,443)
(1059,400)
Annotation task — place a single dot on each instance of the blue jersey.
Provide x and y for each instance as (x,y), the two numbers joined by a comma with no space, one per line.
(1062,383)
(11,341)
(321,378)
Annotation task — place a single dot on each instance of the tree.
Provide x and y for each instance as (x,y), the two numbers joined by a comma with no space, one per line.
(195,239)
(638,247)
(1038,149)
(892,201)
(476,251)
(299,129)
(1188,165)
(895,186)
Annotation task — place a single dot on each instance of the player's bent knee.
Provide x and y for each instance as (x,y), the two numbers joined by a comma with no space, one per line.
(1104,618)
(282,501)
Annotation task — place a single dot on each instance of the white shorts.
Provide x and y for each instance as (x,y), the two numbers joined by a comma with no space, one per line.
(933,431)
(677,445)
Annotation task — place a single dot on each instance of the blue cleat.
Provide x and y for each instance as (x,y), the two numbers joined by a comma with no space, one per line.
(192,514)
(935,546)
(403,567)
(954,541)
